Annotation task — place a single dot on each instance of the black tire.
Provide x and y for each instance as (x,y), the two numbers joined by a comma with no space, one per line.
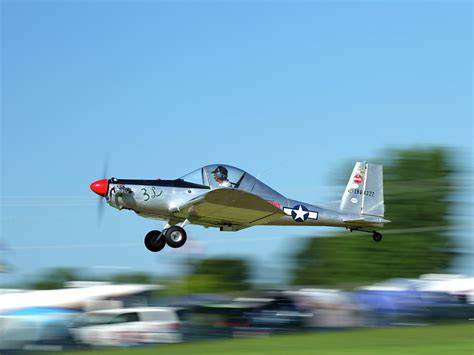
(154,241)
(377,237)
(175,237)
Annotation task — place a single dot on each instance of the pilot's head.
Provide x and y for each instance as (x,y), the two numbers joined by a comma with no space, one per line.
(220,173)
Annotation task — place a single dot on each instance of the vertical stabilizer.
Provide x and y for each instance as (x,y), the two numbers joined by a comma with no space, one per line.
(364,191)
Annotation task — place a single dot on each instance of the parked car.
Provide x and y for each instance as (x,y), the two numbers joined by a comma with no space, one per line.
(246,316)
(36,328)
(274,312)
(128,326)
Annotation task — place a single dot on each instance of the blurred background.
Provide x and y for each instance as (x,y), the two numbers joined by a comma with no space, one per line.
(292,92)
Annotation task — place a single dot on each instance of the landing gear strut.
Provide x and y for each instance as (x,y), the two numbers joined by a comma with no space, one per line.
(376,236)
(174,236)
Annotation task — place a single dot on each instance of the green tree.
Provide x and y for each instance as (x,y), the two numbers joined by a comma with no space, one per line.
(55,278)
(133,278)
(418,186)
(214,275)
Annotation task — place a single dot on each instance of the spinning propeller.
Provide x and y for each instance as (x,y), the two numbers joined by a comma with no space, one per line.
(101,188)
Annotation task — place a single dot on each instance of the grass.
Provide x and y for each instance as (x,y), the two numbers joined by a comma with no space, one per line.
(447,339)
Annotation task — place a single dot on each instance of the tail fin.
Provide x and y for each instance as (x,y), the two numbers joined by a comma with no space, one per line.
(364,191)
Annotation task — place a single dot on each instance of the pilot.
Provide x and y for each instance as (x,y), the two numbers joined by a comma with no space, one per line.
(220,175)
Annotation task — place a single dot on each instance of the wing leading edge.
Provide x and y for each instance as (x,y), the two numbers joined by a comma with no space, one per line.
(228,207)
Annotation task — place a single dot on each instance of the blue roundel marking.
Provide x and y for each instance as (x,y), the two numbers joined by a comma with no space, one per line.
(299,213)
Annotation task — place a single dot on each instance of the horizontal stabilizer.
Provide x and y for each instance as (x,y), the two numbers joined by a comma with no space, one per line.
(366,220)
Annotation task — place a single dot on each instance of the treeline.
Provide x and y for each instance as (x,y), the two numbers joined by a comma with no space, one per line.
(419,187)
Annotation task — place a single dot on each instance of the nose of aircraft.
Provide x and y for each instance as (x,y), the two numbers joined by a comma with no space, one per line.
(100,187)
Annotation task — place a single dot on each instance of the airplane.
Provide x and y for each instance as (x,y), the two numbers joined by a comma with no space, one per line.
(77,295)
(231,199)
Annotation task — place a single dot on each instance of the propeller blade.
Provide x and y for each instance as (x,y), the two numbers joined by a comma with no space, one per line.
(100,211)
(101,202)
(105,168)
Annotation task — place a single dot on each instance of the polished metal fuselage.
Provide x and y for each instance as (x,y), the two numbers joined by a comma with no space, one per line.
(151,200)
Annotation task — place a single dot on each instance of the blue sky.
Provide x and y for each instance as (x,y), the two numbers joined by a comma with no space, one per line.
(279,89)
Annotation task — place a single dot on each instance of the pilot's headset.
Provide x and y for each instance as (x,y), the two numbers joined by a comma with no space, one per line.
(221,173)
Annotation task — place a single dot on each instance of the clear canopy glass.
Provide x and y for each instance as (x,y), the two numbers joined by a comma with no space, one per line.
(195,177)
(221,176)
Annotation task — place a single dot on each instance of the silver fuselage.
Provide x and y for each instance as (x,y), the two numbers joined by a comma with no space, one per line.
(152,199)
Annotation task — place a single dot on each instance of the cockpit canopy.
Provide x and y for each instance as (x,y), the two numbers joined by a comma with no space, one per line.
(219,176)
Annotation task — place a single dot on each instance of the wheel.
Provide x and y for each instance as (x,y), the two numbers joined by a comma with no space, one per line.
(377,236)
(175,237)
(154,241)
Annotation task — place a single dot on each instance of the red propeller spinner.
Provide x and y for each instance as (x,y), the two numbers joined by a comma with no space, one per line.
(100,187)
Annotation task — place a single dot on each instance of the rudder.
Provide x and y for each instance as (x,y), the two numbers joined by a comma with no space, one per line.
(364,191)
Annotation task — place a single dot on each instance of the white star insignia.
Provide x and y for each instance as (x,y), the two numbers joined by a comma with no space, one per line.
(300,213)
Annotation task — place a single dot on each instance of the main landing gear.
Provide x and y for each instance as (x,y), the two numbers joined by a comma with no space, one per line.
(174,236)
(376,236)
